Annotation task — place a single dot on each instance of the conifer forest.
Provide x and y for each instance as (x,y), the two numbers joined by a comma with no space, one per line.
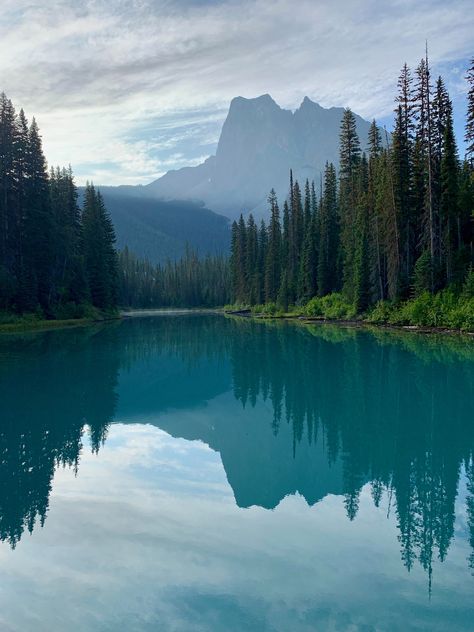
(55,259)
(395,223)
(390,225)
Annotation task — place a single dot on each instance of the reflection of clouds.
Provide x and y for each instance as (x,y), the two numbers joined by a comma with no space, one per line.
(140,540)
(146,454)
(118,66)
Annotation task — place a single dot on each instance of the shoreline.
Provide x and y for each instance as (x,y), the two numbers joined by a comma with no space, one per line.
(48,325)
(351,323)
(170,311)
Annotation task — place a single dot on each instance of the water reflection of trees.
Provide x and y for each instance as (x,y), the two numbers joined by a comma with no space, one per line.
(56,386)
(51,387)
(397,409)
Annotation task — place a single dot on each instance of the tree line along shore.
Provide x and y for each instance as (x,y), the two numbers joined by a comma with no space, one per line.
(386,237)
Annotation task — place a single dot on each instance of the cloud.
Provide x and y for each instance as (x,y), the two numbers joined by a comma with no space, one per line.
(148,537)
(103,76)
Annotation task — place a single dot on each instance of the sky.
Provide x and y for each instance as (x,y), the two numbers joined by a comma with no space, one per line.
(124,90)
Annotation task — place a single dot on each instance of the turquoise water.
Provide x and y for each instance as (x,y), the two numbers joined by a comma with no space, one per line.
(203,473)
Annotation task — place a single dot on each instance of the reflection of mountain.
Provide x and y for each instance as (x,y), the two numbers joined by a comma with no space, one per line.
(310,410)
(261,467)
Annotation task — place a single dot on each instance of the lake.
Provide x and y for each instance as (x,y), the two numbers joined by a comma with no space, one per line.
(204,473)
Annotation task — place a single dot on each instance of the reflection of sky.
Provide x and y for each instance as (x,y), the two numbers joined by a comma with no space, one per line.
(148,537)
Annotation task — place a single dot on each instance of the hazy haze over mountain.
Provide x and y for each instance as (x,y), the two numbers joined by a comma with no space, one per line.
(259,143)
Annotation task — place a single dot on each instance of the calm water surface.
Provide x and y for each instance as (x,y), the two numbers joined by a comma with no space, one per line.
(198,473)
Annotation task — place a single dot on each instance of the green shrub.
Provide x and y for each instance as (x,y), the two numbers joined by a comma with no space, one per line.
(468,288)
(380,313)
(235,307)
(332,306)
(444,309)
(314,307)
(269,310)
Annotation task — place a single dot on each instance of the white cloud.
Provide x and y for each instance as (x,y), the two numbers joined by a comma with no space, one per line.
(97,73)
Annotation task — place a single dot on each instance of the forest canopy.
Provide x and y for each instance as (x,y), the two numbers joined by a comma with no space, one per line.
(394,223)
(56,260)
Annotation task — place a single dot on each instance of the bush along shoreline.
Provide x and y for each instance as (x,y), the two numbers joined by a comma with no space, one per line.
(15,323)
(447,310)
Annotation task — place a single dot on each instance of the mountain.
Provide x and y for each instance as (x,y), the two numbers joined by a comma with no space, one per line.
(159,230)
(259,143)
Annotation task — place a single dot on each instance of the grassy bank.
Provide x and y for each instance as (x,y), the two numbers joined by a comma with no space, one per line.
(13,323)
(445,310)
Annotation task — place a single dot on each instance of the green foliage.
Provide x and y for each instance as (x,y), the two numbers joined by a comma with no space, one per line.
(469,137)
(380,313)
(395,224)
(443,309)
(54,260)
(100,257)
(270,310)
(189,282)
(423,274)
(283,297)
(332,306)
(468,288)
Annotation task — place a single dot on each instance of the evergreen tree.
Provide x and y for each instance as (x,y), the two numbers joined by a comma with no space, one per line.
(42,245)
(424,139)
(449,212)
(295,241)
(273,259)
(362,287)
(405,101)
(308,261)
(39,235)
(328,235)
(100,257)
(423,273)
(376,244)
(251,261)
(285,244)
(7,206)
(69,284)
(234,261)
(283,298)
(469,137)
(239,262)
(262,259)
(349,158)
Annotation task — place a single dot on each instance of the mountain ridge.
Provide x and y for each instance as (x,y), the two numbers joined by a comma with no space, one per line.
(259,143)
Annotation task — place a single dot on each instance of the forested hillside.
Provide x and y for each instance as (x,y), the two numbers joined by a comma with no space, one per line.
(55,260)
(191,281)
(159,230)
(395,223)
